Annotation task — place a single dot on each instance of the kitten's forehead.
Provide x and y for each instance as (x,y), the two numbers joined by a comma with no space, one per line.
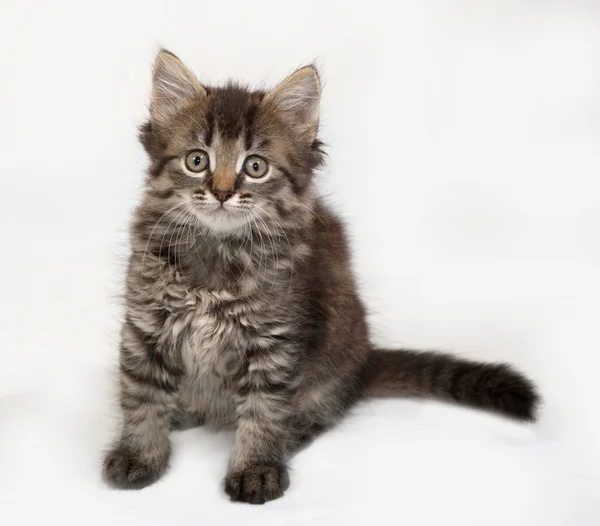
(228,150)
(231,111)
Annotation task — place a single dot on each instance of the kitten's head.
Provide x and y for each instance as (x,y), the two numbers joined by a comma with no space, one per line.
(226,157)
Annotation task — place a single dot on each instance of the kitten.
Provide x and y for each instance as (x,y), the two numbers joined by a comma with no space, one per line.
(241,308)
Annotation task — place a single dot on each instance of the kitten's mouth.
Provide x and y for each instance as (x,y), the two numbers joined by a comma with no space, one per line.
(222,209)
(216,208)
(221,218)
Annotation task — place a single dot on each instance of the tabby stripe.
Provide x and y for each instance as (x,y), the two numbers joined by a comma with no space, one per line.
(210,129)
(133,401)
(163,194)
(158,166)
(250,114)
(292,180)
(460,387)
(141,335)
(138,376)
(266,388)
(158,359)
(154,355)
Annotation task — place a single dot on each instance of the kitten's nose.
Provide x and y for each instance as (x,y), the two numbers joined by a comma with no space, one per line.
(222,195)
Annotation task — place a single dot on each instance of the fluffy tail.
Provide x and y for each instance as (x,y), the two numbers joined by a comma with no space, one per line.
(493,387)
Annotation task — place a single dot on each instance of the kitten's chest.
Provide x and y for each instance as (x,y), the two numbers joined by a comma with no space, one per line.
(207,329)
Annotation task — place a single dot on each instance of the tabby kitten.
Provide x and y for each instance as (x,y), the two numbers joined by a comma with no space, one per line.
(241,308)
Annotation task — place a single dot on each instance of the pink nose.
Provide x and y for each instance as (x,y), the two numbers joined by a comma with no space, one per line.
(222,195)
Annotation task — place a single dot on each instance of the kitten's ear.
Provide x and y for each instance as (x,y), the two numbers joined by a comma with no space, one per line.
(297,98)
(172,86)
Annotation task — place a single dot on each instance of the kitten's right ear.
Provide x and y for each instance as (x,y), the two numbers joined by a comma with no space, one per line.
(173,85)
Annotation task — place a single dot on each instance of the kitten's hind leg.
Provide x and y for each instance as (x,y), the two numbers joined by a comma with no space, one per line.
(304,437)
(149,380)
(321,408)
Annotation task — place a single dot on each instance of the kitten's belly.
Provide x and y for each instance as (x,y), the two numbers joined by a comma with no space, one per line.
(207,396)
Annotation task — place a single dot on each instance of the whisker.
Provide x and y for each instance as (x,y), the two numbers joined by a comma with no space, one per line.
(288,242)
(250,255)
(313,213)
(273,247)
(175,219)
(152,234)
(178,242)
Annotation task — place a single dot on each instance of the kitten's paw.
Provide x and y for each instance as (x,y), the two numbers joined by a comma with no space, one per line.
(126,470)
(257,484)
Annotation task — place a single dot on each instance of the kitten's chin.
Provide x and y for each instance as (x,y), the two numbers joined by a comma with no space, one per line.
(222,222)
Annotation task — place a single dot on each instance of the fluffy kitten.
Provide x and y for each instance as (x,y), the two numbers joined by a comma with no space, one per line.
(242,311)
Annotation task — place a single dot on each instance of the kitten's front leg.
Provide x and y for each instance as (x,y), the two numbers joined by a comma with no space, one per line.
(257,470)
(149,380)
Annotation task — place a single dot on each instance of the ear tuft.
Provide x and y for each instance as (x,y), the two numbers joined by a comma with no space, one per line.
(173,85)
(298,98)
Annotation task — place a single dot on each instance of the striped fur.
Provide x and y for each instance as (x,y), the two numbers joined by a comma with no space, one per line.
(245,315)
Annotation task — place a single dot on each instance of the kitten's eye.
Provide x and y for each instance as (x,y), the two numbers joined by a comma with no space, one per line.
(255,166)
(196,161)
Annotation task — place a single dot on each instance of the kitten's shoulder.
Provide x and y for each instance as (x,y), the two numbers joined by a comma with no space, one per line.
(329,231)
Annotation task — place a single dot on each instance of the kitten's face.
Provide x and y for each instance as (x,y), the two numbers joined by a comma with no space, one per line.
(227,158)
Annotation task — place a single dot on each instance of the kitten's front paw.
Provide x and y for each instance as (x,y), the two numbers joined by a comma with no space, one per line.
(257,484)
(126,470)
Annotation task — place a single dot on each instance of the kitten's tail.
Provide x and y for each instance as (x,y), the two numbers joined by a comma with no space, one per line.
(494,387)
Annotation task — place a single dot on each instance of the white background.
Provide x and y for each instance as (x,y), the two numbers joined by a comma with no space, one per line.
(464,141)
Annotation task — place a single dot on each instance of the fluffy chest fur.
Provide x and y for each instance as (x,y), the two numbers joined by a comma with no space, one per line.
(207,330)
(216,336)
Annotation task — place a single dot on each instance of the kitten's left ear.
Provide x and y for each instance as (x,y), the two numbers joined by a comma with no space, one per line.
(173,85)
(297,98)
